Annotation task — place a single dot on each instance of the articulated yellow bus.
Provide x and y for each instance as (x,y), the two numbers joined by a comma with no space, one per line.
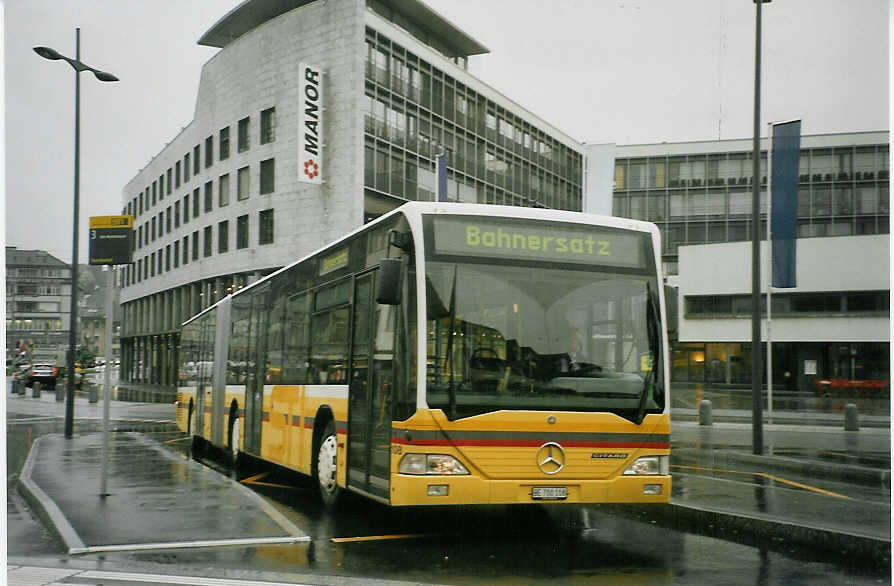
(448,354)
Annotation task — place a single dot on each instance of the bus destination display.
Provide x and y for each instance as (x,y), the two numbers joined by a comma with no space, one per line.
(554,242)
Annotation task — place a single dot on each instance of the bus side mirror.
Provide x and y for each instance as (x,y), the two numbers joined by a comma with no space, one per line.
(388,283)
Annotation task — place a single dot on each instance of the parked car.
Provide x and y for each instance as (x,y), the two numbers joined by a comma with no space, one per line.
(45,374)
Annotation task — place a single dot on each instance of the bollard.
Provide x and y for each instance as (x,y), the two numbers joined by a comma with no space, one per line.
(851,422)
(704,413)
(60,391)
(35,389)
(93,392)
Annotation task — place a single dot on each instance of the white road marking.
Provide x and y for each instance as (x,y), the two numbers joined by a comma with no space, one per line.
(187,544)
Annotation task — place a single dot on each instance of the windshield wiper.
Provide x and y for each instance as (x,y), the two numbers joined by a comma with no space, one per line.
(652,329)
(448,359)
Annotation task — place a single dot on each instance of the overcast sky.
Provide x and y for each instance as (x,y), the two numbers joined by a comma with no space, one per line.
(622,71)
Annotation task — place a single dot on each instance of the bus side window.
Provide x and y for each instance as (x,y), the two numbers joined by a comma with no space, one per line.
(297,328)
(329,346)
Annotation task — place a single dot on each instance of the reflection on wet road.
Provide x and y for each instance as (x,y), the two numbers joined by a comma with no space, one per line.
(504,545)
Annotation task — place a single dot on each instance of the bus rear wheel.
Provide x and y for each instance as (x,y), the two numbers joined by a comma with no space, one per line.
(327,467)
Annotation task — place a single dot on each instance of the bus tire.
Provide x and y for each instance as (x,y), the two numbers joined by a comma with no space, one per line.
(327,467)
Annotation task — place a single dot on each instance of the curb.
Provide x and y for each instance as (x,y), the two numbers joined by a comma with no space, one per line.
(43,505)
(761,532)
(811,468)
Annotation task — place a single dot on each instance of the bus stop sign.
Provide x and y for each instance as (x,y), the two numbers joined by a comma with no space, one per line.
(111,240)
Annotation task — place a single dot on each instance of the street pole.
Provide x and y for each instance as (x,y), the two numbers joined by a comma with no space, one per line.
(107,378)
(73,327)
(78,66)
(756,399)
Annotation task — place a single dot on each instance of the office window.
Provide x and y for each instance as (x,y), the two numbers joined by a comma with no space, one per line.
(176,214)
(267,176)
(152,266)
(153,228)
(224,143)
(186,168)
(196,156)
(161,189)
(169,183)
(242,183)
(209,196)
(186,208)
(209,151)
(243,138)
(265,227)
(223,190)
(176,254)
(186,249)
(177,174)
(195,202)
(168,220)
(268,125)
(208,248)
(195,245)
(242,232)
(167,257)
(223,236)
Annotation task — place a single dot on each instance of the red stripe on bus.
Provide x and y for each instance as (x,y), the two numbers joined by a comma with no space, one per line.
(529,444)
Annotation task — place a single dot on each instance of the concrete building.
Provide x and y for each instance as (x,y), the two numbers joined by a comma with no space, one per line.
(313,118)
(38,301)
(835,324)
(700,192)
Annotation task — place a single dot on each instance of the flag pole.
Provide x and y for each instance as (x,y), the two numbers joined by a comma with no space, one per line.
(769,272)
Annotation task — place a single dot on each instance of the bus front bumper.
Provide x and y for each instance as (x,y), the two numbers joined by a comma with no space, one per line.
(408,490)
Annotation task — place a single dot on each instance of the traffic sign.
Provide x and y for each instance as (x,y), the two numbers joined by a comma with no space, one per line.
(111,240)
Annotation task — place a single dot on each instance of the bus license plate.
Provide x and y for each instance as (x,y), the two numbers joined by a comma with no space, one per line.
(549,493)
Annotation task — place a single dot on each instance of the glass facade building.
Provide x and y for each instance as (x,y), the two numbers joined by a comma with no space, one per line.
(830,333)
(704,196)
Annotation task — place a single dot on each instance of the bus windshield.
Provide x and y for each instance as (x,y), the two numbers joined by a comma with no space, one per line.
(504,335)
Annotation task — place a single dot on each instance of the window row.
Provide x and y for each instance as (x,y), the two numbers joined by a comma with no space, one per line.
(179,174)
(43,325)
(465,152)
(34,289)
(674,235)
(405,175)
(814,165)
(789,304)
(410,79)
(191,247)
(202,199)
(813,201)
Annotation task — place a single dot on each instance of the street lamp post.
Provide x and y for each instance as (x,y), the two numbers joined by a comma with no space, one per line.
(757,417)
(78,66)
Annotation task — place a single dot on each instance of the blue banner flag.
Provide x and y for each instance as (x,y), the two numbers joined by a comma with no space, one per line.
(442,177)
(784,201)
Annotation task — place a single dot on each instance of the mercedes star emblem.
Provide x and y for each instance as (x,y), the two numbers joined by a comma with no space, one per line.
(550,458)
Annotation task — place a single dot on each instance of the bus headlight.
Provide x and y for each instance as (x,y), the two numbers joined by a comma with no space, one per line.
(648,465)
(431,464)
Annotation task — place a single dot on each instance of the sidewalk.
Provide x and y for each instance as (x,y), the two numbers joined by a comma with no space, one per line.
(157,499)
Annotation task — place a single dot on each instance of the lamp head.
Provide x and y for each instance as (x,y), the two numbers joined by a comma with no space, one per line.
(103,76)
(47,53)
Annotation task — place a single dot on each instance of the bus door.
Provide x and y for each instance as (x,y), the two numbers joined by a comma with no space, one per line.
(203,371)
(255,370)
(369,407)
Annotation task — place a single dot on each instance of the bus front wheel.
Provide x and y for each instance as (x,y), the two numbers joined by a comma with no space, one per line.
(327,457)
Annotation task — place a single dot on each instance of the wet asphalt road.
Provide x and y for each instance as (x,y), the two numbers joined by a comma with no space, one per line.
(503,545)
